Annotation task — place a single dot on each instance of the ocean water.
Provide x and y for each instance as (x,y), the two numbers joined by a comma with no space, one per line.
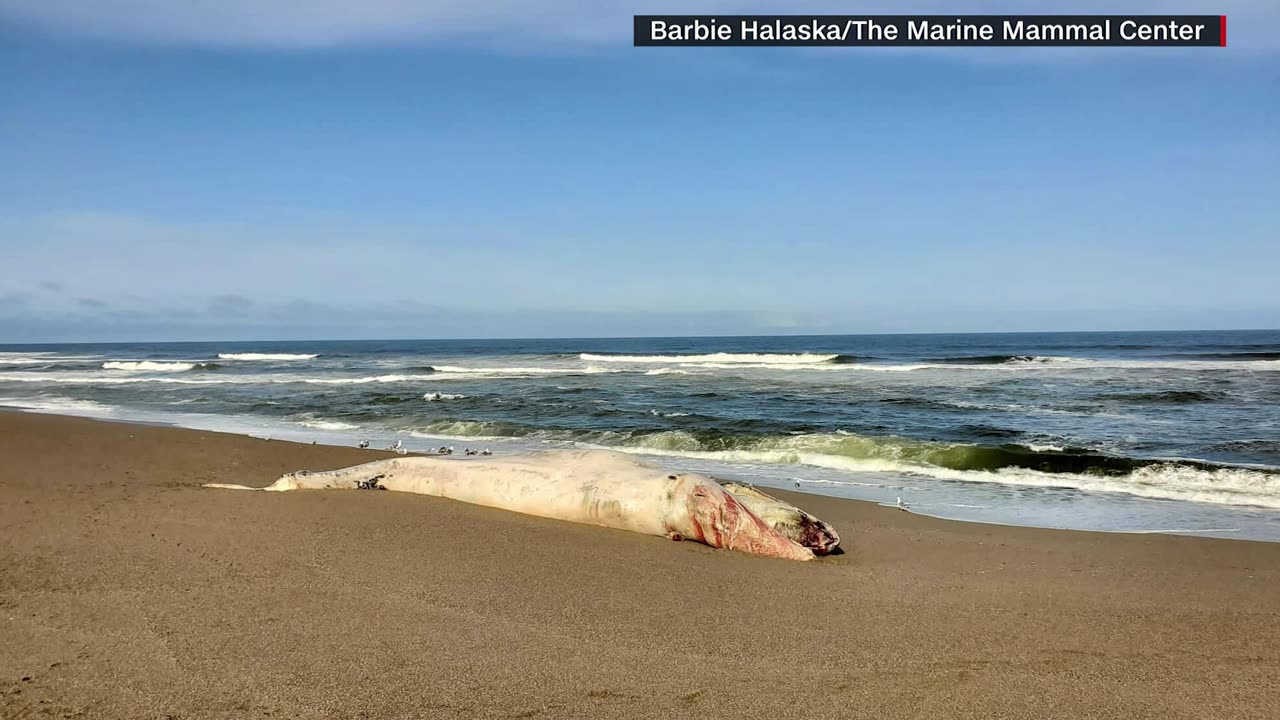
(1135,432)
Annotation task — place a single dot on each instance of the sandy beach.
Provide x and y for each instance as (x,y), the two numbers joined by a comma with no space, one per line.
(128,591)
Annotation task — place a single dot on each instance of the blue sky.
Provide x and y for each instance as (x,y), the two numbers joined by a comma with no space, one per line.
(394,168)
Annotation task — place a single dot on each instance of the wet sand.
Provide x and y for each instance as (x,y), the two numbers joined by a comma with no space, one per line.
(128,591)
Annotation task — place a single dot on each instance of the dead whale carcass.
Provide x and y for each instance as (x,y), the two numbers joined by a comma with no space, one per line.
(596,487)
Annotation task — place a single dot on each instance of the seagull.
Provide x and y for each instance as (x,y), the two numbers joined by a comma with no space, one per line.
(901,505)
(399,444)
(364,444)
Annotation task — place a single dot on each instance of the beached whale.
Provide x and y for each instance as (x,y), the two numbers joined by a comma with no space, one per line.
(596,487)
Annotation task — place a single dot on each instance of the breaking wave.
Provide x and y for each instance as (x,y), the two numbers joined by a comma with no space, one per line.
(356,380)
(119,379)
(152,366)
(437,396)
(60,405)
(173,379)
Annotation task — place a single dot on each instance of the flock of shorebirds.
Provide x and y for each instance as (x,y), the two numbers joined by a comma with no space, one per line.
(399,448)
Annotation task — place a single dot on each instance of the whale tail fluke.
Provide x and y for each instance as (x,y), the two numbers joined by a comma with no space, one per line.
(227,486)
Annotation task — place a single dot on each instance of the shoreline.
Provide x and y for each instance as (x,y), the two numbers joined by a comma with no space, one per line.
(1265,524)
(657,459)
(130,591)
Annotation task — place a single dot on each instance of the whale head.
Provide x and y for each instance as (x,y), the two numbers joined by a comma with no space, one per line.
(791,521)
(708,514)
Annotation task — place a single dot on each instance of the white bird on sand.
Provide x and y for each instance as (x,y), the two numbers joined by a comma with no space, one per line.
(399,444)
(364,444)
(901,505)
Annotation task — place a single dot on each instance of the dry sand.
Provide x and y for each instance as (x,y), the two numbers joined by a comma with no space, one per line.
(128,591)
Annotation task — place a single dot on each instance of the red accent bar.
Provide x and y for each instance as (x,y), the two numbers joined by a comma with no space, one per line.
(1222,31)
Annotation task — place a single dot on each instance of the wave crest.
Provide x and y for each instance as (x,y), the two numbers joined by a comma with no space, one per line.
(149,366)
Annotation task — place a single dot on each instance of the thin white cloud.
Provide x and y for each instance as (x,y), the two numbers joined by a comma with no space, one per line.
(291,24)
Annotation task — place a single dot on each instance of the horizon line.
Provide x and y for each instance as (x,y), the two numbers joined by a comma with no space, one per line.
(639,337)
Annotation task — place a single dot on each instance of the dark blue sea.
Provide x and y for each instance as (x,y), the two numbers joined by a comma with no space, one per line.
(1135,432)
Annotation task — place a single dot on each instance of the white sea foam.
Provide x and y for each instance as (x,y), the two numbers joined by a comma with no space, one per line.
(1034,364)
(174,379)
(725,358)
(266,356)
(60,405)
(358,380)
(436,397)
(513,370)
(685,364)
(148,365)
(97,379)
(1051,364)
(328,425)
(443,371)
(1247,365)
